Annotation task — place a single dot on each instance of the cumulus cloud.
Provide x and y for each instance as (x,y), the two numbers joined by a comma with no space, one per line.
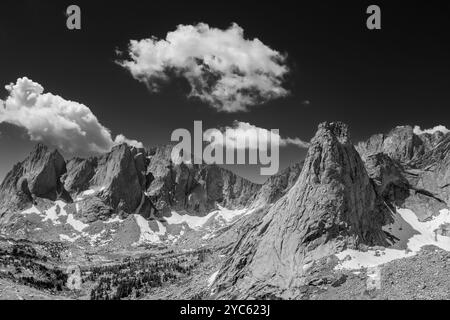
(67,125)
(441,128)
(120,139)
(253,134)
(224,70)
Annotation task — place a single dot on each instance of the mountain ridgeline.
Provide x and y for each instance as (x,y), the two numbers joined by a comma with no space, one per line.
(126,180)
(339,197)
(342,199)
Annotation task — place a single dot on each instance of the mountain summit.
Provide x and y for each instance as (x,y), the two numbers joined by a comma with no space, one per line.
(343,208)
(332,206)
(39,175)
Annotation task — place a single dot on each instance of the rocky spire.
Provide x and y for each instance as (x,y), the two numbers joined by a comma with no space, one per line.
(332,206)
(39,175)
(120,176)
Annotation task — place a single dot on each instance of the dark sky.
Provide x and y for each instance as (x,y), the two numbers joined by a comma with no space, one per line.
(372,80)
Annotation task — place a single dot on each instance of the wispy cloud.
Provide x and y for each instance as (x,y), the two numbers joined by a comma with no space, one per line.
(256,136)
(225,70)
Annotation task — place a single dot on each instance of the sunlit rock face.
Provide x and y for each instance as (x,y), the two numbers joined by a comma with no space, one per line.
(39,175)
(332,206)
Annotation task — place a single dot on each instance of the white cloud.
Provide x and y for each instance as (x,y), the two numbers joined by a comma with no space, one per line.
(231,136)
(122,139)
(224,69)
(294,141)
(441,128)
(67,125)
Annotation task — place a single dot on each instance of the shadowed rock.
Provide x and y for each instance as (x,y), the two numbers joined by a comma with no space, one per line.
(194,188)
(389,178)
(120,179)
(413,168)
(276,186)
(79,173)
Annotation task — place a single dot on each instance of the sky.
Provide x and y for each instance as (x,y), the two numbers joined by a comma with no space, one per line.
(294,67)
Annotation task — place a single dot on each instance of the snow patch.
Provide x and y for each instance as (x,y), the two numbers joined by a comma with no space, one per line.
(113,220)
(76,224)
(354,259)
(427,235)
(57,211)
(88,192)
(147,235)
(196,222)
(32,210)
(94,239)
(212,278)
(52,213)
(161,229)
(65,237)
(229,215)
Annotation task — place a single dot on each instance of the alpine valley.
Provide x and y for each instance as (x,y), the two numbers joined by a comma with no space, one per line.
(367,220)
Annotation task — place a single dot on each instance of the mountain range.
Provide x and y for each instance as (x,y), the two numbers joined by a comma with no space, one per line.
(315,230)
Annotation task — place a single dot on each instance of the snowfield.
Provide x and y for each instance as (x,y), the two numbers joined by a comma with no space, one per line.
(150,232)
(426,235)
(196,223)
(51,214)
(54,215)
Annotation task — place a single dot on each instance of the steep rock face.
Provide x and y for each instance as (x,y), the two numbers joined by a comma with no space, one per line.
(194,188)
(389,178)
(237,191)
(431,140)
(430,177)
(276,186)
(43,170)
(39,175)
(333,205)
(170,185)
(396,186)
(400,144)
(417,162)
(79,173)
(120,178)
